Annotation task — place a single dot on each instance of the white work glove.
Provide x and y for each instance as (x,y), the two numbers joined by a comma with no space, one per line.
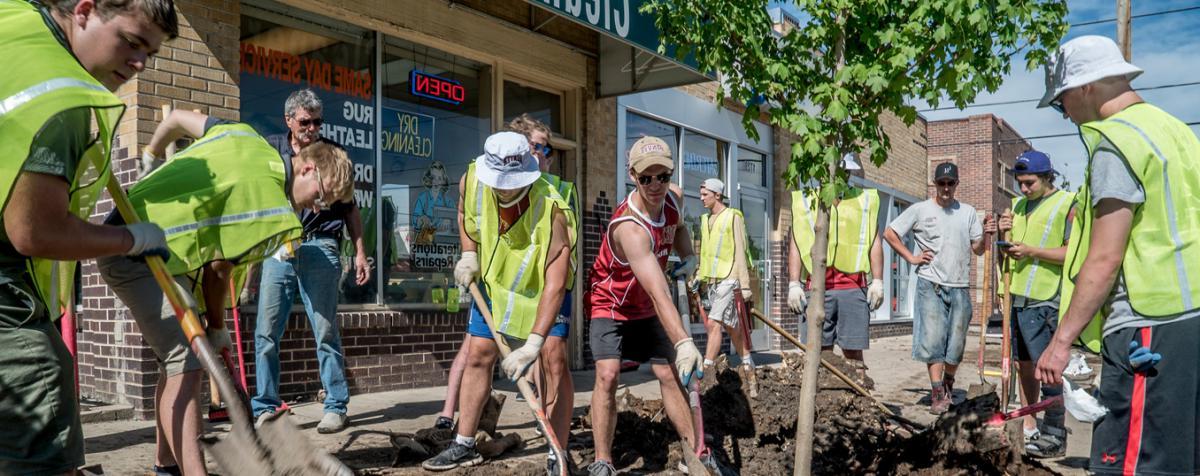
(796,297)
(467,269)
(219,339)
(518,361)
(148,239)
(148,163)
(686,269)
(688,361)
(875,294)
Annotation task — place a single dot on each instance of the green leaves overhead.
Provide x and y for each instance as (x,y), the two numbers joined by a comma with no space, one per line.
(828,80)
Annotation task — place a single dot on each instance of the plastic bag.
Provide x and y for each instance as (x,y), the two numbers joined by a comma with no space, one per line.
(1077,369)
(1082,405)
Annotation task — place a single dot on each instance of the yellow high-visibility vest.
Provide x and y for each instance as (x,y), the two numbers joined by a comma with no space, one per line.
(717,244)
(854,223)
(1044,227)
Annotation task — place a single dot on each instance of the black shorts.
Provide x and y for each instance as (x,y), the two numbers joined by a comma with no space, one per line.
(1153,424)
(638,340)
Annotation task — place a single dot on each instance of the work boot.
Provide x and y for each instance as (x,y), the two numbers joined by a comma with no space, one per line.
(332,422)
(940,400)
(1048,444)
(443,423)
(454,456)
(601,468)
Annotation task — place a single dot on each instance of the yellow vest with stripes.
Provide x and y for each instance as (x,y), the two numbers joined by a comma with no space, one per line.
(1044,227)
(513,264)
(567,191)
(717,244)
(854,223)
(44,79)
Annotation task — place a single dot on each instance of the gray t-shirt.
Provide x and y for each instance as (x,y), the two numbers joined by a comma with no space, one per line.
(1112,178)
(948,233)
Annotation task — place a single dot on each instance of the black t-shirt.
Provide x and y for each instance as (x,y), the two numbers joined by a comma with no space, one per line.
(326,222)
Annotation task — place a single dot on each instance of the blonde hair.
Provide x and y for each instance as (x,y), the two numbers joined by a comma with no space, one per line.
(334,165)
(527,125)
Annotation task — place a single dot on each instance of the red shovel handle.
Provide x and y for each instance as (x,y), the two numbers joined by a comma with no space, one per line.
(1000,418)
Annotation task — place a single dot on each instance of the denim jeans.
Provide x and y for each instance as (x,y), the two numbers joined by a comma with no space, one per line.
(315,272)
(940,327)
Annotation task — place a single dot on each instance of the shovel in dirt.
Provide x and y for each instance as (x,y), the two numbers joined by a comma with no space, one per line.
(999,418)
(278,448)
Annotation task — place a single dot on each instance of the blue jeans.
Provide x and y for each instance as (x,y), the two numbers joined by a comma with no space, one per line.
(940,327)
(314,271)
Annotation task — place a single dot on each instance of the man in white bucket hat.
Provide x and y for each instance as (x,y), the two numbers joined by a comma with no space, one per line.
(1130,285)
(517,236)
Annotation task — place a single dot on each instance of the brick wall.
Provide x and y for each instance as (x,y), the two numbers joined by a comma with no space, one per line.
(905,169)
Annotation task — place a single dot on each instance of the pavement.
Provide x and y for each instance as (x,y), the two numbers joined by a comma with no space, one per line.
(126,447)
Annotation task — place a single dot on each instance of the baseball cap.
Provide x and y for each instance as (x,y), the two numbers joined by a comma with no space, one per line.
(1032,162)
(945,170)
(507,163)
(650,151)
(714,185)
(1084,60)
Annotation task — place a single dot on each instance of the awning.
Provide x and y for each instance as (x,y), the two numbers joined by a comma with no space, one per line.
(629,61)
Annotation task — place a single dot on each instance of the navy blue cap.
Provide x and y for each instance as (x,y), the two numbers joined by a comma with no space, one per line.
(1032,162)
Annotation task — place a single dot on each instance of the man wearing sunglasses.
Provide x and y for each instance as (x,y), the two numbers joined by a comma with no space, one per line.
(632,314)
(313,270)
(1040,221)
(1130,283)
(947,231)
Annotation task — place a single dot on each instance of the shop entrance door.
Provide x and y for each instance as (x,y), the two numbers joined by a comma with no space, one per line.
(754,208)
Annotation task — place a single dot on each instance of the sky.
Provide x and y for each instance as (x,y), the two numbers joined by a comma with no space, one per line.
(1165,46)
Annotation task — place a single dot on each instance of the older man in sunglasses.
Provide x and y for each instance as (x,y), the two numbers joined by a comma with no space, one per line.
(947,231)
(314,269)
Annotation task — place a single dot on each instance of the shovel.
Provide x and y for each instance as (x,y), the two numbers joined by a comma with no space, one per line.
(694,464)
(531,398)
(279,448)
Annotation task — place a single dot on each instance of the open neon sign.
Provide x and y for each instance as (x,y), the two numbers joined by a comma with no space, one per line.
(436,87)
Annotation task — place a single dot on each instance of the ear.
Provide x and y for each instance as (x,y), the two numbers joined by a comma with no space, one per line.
(83,10)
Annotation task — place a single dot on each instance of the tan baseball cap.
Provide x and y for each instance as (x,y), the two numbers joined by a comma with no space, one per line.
(648,152)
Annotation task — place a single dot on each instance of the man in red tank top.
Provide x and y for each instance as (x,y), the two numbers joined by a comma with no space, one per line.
(632,315)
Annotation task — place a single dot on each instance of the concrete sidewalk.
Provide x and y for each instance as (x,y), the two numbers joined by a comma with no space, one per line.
(127,447)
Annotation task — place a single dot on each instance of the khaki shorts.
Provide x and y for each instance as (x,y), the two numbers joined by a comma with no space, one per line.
(134,284)
(723,305)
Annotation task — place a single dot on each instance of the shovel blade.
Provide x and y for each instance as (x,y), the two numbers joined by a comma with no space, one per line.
(277,448)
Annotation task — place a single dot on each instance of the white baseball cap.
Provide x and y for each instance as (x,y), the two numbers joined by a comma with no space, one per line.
(1084,60)
(506,163)
(714,185)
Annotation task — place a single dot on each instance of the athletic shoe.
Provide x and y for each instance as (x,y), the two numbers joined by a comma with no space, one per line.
(454,456)
(601,468)
(1046,446)
(443,423)
(172,470)
(262,418)
(333,422)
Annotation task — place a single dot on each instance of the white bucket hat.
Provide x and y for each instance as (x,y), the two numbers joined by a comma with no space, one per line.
(506,163)
(1084,60)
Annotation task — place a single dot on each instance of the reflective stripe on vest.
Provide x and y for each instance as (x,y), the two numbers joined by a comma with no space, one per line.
(1031,277)
(855,216)
(717,246)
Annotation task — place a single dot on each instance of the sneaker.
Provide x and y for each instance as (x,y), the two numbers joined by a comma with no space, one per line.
(707,460)
(333,422)
(443,423)
(940,401)
(262,418)
(1046,446)
(454,456)
(172,470)
(552,465)
(601,468)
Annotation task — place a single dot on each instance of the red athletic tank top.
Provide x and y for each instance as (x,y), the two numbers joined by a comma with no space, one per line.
(614,293)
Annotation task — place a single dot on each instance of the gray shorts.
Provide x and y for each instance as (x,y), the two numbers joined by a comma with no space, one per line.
(721,296)
(1032,329)
(846,320)
(637,340)
(134,284)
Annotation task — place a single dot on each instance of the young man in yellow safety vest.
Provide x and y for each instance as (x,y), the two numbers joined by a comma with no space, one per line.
(1132,268)
(1040,222)
(516,236)
(724,267)
(63,59)
(854,251)
(227,200)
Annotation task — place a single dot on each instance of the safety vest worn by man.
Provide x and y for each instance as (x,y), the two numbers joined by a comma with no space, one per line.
(1044,227)
(1159,266)
(44,81)
(853,224)
(566,190)
(513,264)
(717,244)
(222,198)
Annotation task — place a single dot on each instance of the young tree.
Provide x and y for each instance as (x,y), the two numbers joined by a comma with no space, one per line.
(828,81)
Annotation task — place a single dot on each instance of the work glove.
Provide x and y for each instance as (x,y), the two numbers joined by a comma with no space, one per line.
(467,269)
(219,339)
(148,163)
(518,361)
(796,298)
(148,240)
(1141,359)
(688,361)
(747,294)
(686,269)
(875,294)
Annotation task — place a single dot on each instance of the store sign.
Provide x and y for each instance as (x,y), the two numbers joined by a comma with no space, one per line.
(621,19)
(436,87)
(699,163)
(407,135)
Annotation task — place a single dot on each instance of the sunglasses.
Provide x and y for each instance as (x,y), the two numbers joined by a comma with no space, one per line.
(947,183)
(662,178)
(320,202)
(1056,104)
(544,149)
(316,121)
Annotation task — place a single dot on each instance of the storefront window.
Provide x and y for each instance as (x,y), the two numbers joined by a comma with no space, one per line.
(751,167)
(436,115)
(636,127)
(336,61)
(703,158)
(542,105)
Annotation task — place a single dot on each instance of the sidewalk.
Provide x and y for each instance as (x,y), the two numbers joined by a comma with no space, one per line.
(127,447)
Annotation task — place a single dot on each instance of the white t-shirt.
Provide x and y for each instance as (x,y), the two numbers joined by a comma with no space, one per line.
(948,233)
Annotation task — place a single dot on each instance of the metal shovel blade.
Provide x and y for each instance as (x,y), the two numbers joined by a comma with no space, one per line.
(277,448)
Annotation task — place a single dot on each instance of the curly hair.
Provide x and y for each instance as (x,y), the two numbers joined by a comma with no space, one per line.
(526,125)
(334,165)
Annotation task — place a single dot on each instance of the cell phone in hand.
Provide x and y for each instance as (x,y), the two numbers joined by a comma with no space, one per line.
(1004,244)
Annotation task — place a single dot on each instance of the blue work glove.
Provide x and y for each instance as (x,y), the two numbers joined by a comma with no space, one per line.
(1140,358)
